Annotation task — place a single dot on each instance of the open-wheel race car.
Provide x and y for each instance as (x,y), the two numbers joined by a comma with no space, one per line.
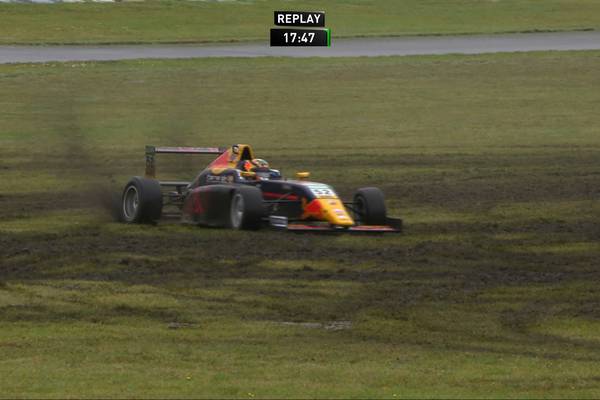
(237,190)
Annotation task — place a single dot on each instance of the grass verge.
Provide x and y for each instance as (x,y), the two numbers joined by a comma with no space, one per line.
(491,160)
(197,22)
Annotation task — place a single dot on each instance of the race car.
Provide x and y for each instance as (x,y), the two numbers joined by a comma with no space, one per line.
(237,190)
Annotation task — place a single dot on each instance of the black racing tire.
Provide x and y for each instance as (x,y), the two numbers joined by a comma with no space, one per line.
(246,209)
(141,201)
(369,206)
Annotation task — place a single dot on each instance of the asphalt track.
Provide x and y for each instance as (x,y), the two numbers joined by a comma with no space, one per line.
(367,47)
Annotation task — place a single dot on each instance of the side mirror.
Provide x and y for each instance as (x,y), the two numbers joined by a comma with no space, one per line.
(302,175)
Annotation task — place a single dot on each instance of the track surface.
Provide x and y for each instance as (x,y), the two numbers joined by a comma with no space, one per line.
(369,47)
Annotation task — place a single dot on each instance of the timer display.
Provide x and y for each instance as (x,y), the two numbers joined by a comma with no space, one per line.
(300,37)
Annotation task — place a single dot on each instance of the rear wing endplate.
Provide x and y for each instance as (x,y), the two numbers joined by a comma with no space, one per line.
(151,151)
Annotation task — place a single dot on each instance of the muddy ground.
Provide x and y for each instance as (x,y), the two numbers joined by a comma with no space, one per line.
(471,247)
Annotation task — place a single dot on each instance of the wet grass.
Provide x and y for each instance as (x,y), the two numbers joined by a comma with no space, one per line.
(490,292)
(200,21)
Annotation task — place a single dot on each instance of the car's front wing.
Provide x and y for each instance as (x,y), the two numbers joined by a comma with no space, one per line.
(393,225)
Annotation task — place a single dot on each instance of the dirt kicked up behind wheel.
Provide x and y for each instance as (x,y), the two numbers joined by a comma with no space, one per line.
(238,191)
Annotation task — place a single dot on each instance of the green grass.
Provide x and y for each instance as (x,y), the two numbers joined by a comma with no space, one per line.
(491,160)
(199,21)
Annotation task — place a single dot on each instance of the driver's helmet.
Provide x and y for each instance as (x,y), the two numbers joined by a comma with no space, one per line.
(261,169)
(254,164)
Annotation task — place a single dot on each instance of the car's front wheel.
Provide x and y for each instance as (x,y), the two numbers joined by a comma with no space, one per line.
(369,206)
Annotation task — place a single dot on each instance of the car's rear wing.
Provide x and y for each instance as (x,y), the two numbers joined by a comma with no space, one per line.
(151,152)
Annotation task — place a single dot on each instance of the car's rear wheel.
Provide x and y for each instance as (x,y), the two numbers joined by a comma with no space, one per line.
(141,201)
(246,209)
(369,206)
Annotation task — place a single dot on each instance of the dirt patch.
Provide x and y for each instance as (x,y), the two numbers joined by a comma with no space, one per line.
(328,326)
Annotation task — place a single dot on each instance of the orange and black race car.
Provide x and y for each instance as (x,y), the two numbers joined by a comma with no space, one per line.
(239,191)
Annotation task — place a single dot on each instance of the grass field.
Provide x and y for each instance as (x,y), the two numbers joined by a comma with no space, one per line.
(493,162)
(199,21)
